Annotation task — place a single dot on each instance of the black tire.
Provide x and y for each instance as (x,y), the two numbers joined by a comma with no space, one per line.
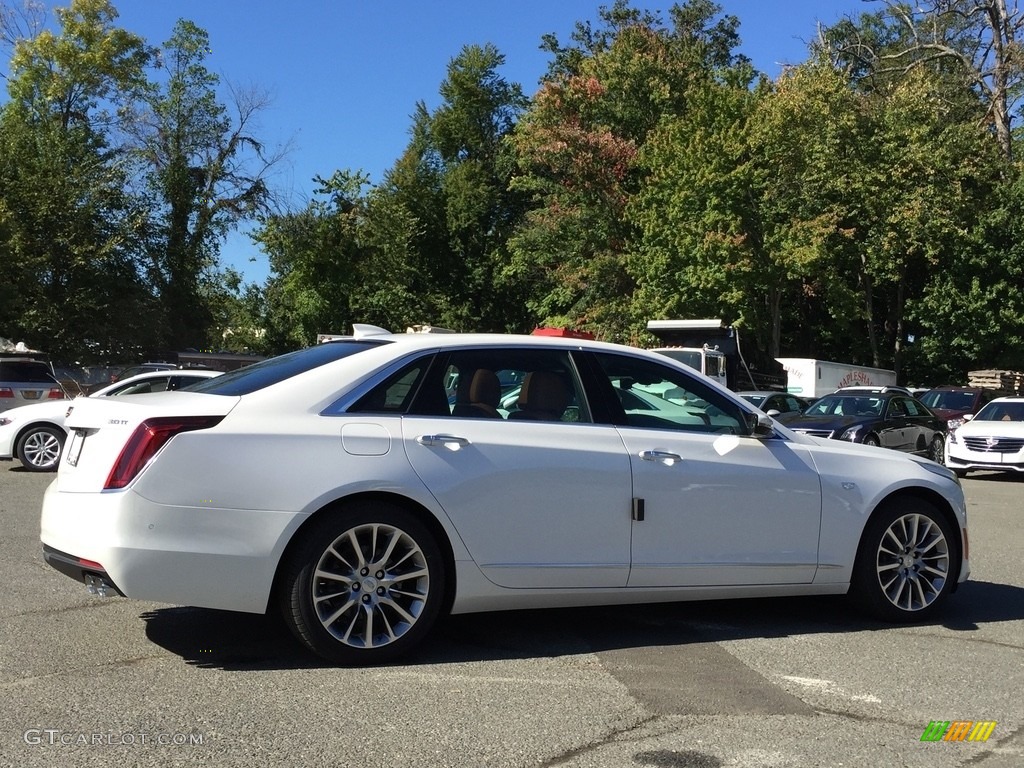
(907,562)
(871,440)
(385,588)
(937,453)
(39,448)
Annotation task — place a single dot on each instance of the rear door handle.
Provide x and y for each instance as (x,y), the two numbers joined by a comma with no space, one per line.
(451,442)
(665,457)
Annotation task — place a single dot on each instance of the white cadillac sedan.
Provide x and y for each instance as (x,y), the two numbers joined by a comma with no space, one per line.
(34,434)
(991,440)
(365,486)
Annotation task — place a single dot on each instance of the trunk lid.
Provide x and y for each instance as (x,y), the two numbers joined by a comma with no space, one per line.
(99,428)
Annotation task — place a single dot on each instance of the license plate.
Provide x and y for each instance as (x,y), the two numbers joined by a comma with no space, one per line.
(31,394)
(74,447)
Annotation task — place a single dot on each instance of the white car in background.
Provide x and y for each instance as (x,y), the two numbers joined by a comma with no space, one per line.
(991,440)
(348,487)
(34,434)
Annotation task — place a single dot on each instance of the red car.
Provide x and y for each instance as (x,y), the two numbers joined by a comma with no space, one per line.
(952,403)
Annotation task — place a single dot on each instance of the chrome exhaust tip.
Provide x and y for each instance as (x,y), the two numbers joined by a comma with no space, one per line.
(97,585)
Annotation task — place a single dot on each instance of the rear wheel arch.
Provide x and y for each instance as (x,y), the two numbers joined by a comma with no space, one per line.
(424,515)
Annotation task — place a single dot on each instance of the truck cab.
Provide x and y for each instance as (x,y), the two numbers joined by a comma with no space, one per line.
(715,345)
(710,362)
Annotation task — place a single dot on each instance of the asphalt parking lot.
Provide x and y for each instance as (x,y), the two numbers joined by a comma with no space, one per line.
(787,682)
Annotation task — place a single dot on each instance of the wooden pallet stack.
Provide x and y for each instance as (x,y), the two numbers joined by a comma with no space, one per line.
(1003,382)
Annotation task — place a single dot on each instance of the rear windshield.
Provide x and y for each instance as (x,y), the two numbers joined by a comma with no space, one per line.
(267,372)
(24,372)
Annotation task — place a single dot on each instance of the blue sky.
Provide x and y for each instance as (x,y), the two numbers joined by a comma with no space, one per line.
(345,75)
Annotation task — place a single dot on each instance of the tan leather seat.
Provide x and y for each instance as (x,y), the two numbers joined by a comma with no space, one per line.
(543,397)
(479,396)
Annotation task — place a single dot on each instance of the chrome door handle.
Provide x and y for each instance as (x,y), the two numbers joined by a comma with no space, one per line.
(665,457)
(451,442)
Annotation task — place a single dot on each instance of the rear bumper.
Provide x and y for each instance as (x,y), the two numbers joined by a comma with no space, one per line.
(79,569)
(205,557)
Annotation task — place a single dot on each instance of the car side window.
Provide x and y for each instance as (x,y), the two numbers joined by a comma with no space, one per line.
(158,384)
(514,384)
(396,392)
(897,407)
(914,409)
(656,396)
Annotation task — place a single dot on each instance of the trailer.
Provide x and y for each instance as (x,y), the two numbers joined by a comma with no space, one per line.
(814,378)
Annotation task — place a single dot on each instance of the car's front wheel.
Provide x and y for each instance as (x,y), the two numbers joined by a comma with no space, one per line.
(938,450)
(39,448)
(907,561)
(364,585)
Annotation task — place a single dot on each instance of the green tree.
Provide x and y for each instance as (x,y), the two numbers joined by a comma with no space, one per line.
(315,256)
(453,182)
(203,173)
(69,263)
(578,146)
(973,42)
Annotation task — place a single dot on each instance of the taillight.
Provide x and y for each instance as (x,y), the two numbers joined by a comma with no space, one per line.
(6,392)
(56,394)
(148,438)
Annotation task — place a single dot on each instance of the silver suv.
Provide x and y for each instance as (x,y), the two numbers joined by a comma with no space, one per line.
(24,381)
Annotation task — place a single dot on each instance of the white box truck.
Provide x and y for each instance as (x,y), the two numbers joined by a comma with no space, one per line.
(815,378)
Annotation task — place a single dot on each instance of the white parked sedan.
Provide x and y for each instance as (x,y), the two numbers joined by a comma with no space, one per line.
(340,486)
(34,434)
(991,440)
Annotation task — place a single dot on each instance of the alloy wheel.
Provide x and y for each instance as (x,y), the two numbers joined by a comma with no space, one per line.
(912,562)
(370,585)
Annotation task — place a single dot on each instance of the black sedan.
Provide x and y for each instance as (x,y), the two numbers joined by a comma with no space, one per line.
(887,418)
(775,403)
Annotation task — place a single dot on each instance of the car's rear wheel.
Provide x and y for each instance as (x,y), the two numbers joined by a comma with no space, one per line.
(364,585)
(907,562)
(39,448)
(938,450)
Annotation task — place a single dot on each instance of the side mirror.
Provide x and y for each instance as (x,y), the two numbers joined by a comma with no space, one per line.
(760,425)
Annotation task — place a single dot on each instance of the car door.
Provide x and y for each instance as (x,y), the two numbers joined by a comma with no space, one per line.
(714,506)
(921,425)
(538,502)
(897,432)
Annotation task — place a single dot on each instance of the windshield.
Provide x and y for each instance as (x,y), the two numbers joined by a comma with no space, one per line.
(951,401)
(262,374)
(1005,411)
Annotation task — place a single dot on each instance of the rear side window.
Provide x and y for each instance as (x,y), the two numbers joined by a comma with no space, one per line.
(276,369)
(394,394)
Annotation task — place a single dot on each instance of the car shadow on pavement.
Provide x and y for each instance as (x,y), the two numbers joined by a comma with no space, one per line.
(237,641)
